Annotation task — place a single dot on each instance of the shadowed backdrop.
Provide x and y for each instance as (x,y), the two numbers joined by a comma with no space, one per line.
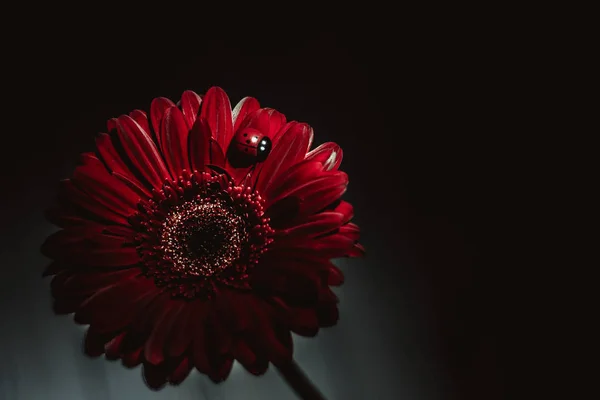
(418,315)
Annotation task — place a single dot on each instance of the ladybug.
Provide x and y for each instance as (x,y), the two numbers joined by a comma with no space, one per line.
(252,144)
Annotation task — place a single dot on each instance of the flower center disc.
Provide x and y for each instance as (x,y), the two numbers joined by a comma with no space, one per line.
(199,232)
(202,238)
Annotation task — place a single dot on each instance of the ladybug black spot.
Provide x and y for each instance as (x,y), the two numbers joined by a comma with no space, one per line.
(245,134)
(247,141)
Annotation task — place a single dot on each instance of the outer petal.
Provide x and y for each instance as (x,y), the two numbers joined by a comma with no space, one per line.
(158,107)
(315,194)
(199,145)
(246,106)
(216,111)
(84,247)
(329,154)
(190,106)
(142,151)
(266,120)
(290,149)
(116,166)
(314,225)
(94,179)
(174,141)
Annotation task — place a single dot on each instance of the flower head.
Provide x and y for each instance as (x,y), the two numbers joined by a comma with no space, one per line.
(199,236)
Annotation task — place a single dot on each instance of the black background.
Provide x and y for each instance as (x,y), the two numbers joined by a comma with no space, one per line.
(417,109)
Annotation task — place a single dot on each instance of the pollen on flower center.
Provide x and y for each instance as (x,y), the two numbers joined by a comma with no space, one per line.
(200,232)
(202,237)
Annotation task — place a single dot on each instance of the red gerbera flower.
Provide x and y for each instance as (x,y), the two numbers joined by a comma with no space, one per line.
(199,236)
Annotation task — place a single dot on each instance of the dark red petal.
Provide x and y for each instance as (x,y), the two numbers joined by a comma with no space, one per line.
(158,107)
(243,353)
(329,246)
(181,371)
(328,314)
(297,175)
(232,307)
(155,345)
(129,312)
(65,217)
(316,194)
(329,154)
(95,342)
(89,282)
(113,348)
(94,179)
(71,194)
(199,345)
(314,225)
(216,110)
(111,124)
(247,355)
(81,246)
(133,358)
(357,251)
(190,106)
(140,117)
(217,157)
(199,145)
(300,320)
(267,120)
(222,370)
(350,231)
(155,376)
(346,209)
(246,106)
(335,277)
(182,330)
(174,141)
(290,149)
(116,166)
(273,342)
(142,151)
(103,303)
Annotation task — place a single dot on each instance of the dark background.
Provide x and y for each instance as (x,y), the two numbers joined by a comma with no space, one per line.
(417,110)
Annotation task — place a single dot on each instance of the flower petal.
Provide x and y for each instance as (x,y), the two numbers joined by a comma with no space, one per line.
(181,334)
(181,371)
(142,151)
(314,225)
(290,149)
(86,283)
(154,350)
(329,154)
(81,246)
(335,277)
(123,295)
(216,111)
(158,107)
(116,166)
(190,106)
(351,231)
(155,376)
(246,106)
(94,179)
(140,117)
(267,120)
(270,336)
(174,141)
(316,194)
(199,145)
(71,195)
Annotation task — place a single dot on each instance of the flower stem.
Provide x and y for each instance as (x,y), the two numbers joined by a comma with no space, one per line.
(303,387)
